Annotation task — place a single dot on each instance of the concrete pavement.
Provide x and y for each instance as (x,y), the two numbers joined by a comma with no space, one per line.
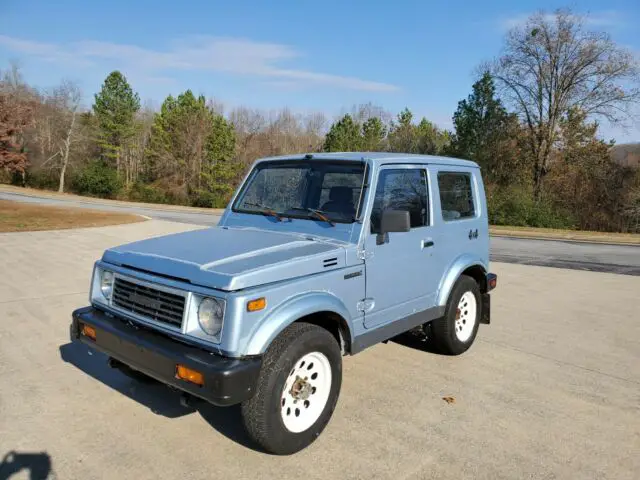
(550,389)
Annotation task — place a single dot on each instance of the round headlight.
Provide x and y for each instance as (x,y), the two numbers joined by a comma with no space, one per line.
(210,314)
(106,283)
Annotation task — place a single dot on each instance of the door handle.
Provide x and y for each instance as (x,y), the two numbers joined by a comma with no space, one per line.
(427,243)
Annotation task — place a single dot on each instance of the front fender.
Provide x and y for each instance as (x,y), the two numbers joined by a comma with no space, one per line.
(290,311)
(455,269)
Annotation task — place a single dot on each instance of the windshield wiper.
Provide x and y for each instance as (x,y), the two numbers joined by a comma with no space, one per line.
(265,210)
(319,214)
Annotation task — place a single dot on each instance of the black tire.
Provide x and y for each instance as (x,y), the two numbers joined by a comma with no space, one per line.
(261,414)
(443,330)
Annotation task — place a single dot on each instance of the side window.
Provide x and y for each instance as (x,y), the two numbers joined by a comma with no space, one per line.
(456,196)
(401,189)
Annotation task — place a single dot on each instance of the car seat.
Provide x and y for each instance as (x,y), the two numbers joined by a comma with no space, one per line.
(340,201)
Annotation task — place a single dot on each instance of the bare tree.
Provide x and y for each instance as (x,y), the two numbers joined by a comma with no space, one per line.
(12,82)
(551,65)
(315,127)
(316,124)
(133,152)
(57,127)
(248,125)
(260,133)
(216,106)
(364,111)
(70,95)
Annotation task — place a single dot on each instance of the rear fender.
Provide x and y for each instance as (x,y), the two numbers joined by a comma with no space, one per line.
(454,271)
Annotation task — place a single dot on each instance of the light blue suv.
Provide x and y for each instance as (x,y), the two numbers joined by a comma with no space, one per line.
(316,257)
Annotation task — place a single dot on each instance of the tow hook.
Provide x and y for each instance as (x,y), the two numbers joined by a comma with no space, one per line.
(187,400)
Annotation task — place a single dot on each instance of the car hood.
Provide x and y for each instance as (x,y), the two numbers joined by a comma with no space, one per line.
(230,258)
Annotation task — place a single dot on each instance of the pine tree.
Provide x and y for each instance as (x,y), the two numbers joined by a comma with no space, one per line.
(115,108)
(479,121)
(487,134)
(220,171)
(343,136)
(193,145)
(373,134)
(431,140)
(402,136)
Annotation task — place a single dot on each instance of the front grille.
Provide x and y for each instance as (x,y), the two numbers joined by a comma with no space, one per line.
(148,303)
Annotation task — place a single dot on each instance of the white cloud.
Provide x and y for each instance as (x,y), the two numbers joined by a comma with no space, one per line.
(230,55)
(45,51)
(604,19)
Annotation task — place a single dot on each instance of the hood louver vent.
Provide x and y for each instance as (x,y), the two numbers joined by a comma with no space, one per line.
(330,262)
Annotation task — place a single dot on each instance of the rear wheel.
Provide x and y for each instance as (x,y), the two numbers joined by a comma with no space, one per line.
(456,331)
(297,390)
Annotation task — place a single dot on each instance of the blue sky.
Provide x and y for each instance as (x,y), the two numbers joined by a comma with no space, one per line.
(309,56)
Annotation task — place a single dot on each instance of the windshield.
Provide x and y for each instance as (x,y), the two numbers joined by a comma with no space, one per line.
(302,189)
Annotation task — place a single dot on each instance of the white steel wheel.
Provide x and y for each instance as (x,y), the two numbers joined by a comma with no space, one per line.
(466,316)
(305,392)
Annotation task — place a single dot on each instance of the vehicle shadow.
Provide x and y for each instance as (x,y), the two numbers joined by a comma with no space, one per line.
(157,397)
(153,395)
(417,341)
(228,422)
(37,464)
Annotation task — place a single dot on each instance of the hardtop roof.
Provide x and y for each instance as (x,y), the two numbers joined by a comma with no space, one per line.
(377,157)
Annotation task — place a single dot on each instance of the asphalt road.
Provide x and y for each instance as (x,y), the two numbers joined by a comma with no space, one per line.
(622,259)
(549,390)
(563,254)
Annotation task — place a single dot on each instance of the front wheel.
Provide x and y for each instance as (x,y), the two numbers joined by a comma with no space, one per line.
(297,390)
(455,332)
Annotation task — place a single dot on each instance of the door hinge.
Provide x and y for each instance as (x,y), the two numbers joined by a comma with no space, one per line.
(364,254)
(365,305)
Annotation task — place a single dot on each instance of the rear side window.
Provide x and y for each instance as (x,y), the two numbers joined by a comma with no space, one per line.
(456,196)
(401,189)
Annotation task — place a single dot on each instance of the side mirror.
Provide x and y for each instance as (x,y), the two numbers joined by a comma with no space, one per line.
(393,221)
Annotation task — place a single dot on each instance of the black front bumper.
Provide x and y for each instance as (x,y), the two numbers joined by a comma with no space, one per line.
(227,381)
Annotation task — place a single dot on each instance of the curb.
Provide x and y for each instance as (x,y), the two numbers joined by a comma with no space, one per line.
(566,240)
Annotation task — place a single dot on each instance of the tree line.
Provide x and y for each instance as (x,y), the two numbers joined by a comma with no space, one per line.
(530,121)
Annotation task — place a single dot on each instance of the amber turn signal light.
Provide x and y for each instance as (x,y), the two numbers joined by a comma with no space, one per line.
(186,373)
(89,331)
(257,304)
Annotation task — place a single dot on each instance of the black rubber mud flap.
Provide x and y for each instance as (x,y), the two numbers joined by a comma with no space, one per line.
(485,317)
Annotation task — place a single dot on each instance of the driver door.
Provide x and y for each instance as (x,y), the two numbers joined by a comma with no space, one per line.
(397,267)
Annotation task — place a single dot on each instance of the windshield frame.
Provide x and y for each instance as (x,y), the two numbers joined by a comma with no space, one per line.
(304,162)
